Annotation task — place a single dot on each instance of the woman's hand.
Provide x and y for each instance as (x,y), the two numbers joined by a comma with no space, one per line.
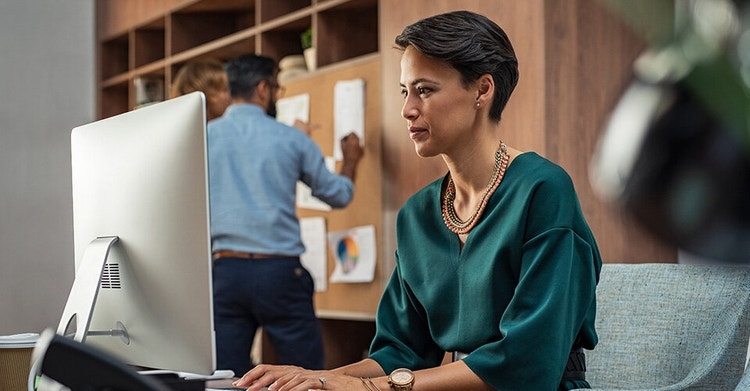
(263,375)
(290,378)
(317,381)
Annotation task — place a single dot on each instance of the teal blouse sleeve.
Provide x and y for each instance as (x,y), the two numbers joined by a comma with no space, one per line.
(544,318)
(403,337)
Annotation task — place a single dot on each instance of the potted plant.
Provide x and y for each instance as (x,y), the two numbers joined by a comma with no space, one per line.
(307,49)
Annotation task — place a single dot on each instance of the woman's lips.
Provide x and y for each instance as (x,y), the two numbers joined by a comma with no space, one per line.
(415,131)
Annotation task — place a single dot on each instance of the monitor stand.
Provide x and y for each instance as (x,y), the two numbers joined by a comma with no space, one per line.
(82,298)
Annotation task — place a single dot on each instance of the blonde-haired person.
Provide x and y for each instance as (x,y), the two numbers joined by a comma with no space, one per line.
(209,77)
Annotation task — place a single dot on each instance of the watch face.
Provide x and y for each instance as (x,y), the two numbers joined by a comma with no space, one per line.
(402,376)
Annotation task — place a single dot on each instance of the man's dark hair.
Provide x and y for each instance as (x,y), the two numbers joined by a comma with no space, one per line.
(245,72)
(470,43)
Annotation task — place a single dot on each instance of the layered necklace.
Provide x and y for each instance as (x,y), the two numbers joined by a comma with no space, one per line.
(451,219)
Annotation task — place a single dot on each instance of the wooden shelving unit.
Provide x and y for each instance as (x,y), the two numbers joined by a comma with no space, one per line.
(154,42)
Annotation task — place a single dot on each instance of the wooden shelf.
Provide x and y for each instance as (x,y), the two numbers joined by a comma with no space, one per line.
(115,55)
(222,29)
(113,98)
(189,29)
(357,21)
(149,43)
(241,42)
(283,37)
(272,9)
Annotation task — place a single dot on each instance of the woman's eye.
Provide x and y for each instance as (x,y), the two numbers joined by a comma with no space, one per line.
(421,91)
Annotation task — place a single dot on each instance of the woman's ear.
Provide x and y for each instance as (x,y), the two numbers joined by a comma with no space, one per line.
(485,90)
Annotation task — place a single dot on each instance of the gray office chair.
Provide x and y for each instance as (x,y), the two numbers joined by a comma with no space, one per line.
(744,382)
(670,327)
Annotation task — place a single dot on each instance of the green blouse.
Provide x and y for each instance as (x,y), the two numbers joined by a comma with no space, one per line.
(517,297)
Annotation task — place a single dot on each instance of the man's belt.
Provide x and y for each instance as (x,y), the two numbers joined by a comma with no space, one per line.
(243,255)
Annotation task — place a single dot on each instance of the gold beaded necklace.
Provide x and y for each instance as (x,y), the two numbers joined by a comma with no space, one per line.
(451,219)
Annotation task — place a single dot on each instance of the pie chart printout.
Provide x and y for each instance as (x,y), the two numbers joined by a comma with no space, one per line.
(354,250)
(348,254)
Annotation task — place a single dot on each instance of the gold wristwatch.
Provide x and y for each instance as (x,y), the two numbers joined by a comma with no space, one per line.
(401,379)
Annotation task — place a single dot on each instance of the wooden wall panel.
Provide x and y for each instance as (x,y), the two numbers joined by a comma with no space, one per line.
(589,56)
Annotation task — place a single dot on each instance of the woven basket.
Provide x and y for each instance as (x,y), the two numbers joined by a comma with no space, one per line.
(15,364)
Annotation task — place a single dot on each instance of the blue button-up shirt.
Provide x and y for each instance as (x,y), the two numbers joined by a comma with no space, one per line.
(254,164)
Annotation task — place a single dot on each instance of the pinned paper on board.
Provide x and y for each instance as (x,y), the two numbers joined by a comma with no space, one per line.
(354,251)
(315,257)
(348,112)
(288,110)
(293,108)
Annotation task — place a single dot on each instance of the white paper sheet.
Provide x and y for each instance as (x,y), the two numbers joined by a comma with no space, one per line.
(354,251)
(348,112)
(315,257)
(292,108)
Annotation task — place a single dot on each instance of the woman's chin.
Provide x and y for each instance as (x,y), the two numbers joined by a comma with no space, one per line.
(423,152)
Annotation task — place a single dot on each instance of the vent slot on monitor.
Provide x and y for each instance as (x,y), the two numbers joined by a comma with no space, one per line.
(110,276)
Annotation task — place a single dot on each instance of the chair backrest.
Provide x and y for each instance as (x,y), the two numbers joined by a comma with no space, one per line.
(744,382)
(668,324)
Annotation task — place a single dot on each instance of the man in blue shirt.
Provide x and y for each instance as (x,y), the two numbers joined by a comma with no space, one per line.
(254,165)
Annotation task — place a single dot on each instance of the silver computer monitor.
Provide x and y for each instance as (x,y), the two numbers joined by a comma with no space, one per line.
(142,290)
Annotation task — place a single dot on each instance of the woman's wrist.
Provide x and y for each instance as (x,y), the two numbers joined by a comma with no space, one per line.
(369,384)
